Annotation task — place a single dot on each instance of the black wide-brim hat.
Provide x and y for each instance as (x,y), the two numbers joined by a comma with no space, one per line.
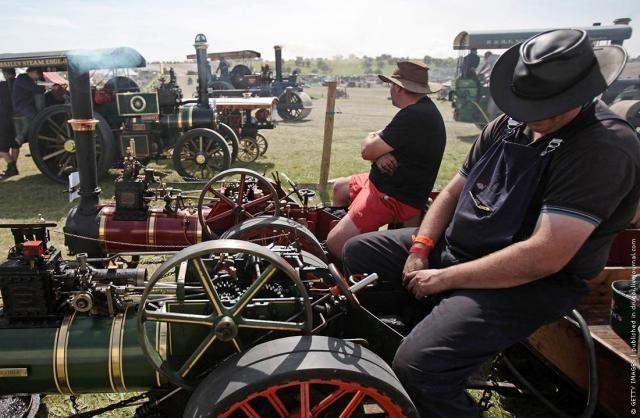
(553,72)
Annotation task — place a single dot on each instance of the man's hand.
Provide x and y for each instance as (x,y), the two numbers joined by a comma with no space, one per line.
(414,262)
(423,283)
(387,163)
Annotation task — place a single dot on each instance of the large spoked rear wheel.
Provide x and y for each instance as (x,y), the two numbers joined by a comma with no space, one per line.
(200,154)
(53,147)
(227,296)
(309,376)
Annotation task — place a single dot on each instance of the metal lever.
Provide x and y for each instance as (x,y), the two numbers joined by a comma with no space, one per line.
(364,282)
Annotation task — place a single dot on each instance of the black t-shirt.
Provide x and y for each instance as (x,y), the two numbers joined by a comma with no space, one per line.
(594,175)
(418,138)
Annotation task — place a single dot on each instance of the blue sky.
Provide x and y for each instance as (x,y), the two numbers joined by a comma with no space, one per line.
(163,29)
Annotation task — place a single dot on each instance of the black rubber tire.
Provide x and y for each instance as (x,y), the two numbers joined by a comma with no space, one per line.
(246,229)
(299,358)
(39,147)
(219,145)
(232,140)
(262,143)
(249,150)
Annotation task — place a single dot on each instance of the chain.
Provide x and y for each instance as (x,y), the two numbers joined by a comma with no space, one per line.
(485,400)
(117,405)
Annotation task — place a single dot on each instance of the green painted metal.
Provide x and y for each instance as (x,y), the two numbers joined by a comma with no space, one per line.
(87,358)
(31,348)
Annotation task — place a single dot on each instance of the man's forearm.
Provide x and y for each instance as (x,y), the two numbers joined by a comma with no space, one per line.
(441,211)
(514,265)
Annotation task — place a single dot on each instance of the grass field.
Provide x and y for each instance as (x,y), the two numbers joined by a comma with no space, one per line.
(294,148)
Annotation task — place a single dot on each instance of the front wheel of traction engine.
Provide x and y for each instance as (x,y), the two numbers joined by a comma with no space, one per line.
(301,377)
(200,154)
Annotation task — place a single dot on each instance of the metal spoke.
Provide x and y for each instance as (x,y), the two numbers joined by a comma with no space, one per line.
(63,165)
(58,130)
(51,139)
(305,402)
(277,404)
(327,401)
(249,411)
(241,190)
(253,290)
(200,143)
(237,345)
(224,198)
(209,288)
(353,404)
(53,154)
(195,356)
(253,203)
(178,318)
(270,325)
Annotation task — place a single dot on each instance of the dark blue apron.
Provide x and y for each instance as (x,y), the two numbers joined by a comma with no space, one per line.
(499,190)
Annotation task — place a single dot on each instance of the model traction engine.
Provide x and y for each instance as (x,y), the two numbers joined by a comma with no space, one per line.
(82,325)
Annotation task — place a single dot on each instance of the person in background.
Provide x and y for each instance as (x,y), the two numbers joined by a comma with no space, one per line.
(24,101)
(9,148)
(405,158)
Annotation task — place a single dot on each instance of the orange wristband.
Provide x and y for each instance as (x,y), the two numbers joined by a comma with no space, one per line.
(424,240)
(420,250)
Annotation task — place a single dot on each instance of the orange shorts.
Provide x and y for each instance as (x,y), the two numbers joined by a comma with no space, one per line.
(370,208)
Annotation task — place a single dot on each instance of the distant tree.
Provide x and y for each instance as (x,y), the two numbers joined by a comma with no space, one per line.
(367,64)
(323,65)
(299,61)
(307,62)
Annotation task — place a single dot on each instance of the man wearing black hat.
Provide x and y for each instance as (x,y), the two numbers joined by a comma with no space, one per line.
(508,244)
(405,159)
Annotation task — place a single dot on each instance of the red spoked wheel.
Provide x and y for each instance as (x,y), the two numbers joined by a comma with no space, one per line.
(310,376)
(233,196)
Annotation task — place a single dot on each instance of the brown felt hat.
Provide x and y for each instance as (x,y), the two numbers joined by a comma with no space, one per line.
(412,76)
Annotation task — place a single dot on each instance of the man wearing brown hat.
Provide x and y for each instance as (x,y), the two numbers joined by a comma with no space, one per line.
(508,244)
(405,159)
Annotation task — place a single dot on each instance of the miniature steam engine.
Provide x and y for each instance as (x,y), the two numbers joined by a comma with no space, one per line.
(67,327)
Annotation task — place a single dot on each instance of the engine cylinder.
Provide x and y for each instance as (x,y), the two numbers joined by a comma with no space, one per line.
(158,232)
(189,117)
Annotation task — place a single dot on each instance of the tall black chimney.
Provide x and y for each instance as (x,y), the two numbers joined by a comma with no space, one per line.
(278,50)
(203,72)
(84,126)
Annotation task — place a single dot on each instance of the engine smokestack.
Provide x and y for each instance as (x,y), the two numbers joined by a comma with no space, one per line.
(203,72)
(278,50)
